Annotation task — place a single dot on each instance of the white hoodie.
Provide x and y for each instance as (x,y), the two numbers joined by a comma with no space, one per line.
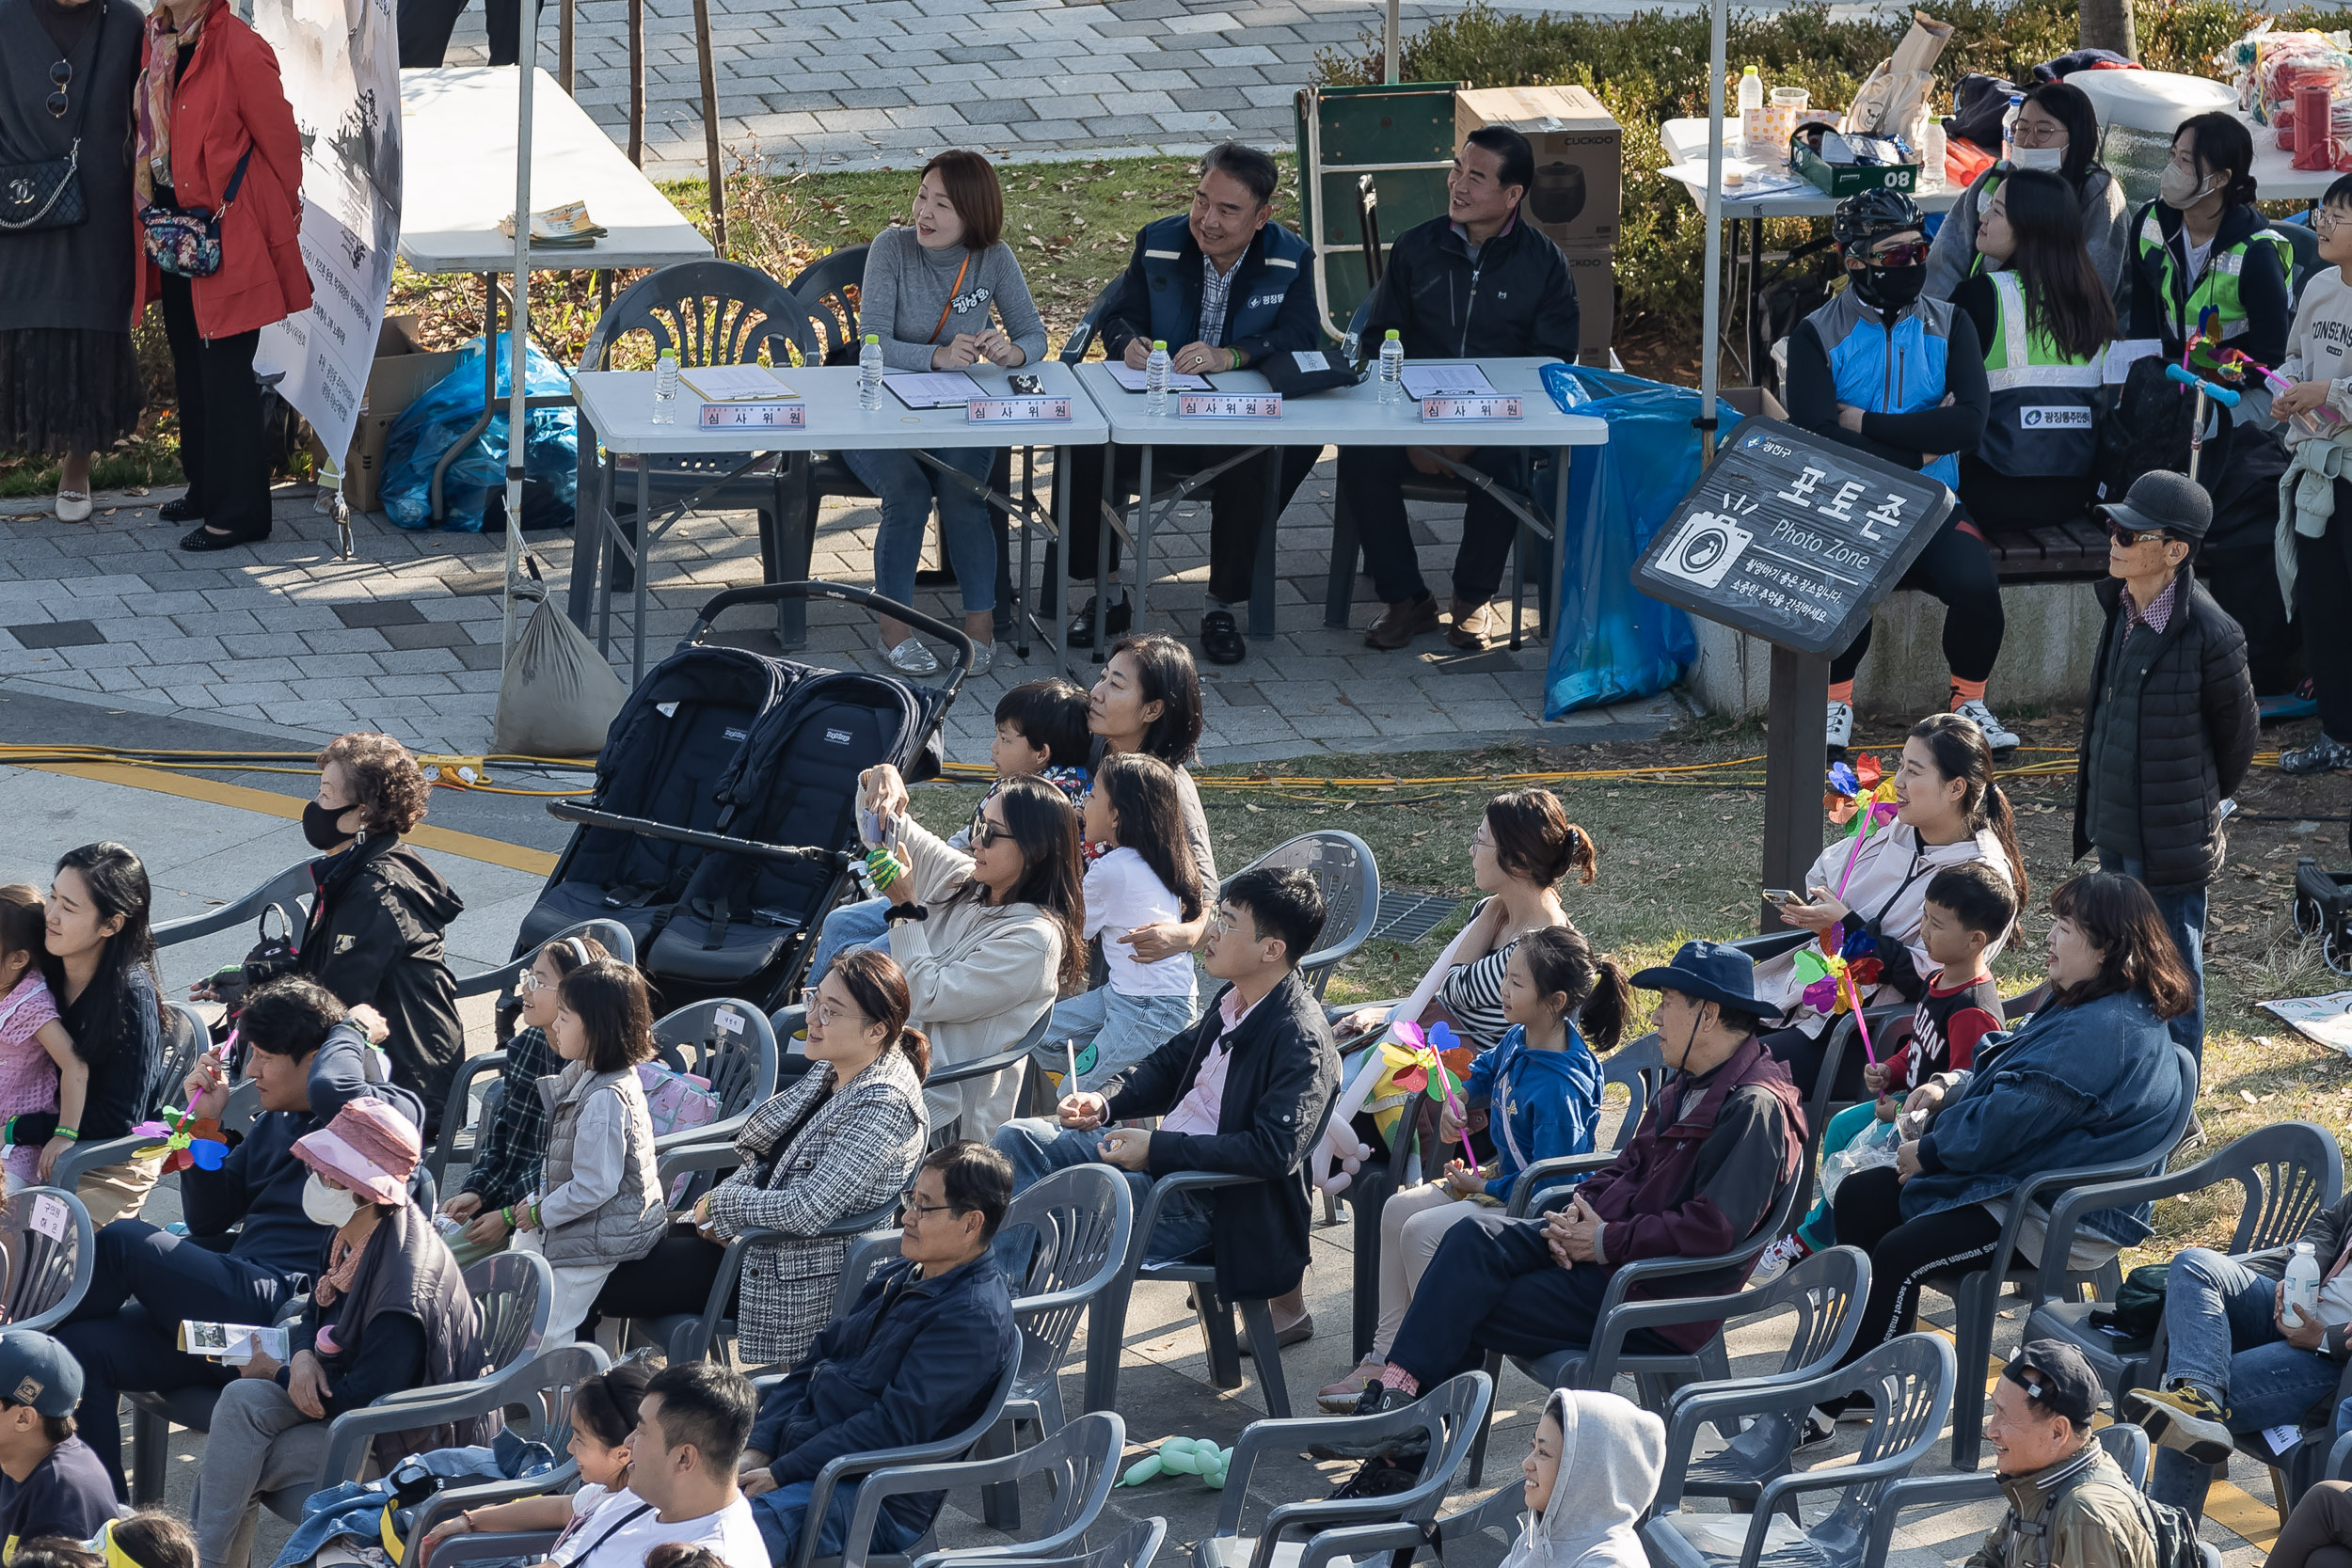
(1611,1453)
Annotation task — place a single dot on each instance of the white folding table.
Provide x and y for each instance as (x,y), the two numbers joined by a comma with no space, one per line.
(458,130)
(1342,417)
(620,404)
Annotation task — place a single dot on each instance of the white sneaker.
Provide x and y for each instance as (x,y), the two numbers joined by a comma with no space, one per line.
(1840,725)
(1997,735)
(73,506)
(983,655)
(912,658)
(1777,1260)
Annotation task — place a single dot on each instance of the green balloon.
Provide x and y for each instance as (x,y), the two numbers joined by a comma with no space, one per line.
(1141,1470)
(1183,1461)
(1214,1480)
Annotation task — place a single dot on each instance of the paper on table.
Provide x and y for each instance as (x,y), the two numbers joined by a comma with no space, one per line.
(735,383)
(933,389)
(1132,380)
(1755,180)
(1442,381)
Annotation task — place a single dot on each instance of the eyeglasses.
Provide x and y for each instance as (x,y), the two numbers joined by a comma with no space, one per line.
(1481,838)
(530,981)
(2327,220)
(985,832)
(911,1209)
(2129,537)
(62,75)
(1911,255)
(828,1014)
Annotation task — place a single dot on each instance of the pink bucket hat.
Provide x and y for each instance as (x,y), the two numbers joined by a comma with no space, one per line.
(369,1147)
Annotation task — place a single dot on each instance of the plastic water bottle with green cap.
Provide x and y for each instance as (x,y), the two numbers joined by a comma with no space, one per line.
(869,374)
(1392,368)
(1155,379)
(665,388)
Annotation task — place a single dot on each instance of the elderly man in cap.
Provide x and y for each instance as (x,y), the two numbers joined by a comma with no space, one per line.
(51,1484)
(2070,1505)
(1715,1150)
(2168,729)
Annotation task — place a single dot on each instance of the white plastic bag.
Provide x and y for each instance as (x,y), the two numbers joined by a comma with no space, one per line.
(1872,1148)
(559,696)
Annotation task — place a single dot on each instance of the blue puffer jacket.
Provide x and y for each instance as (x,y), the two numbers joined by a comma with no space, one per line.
(1551,1102)
(2087,1085)
(1270,310)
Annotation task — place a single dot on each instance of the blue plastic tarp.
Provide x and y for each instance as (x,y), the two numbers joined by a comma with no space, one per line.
(1609,642)
(427,426)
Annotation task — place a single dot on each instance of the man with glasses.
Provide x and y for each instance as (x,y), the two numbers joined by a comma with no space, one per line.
(2169,726)
(1886,371)
(1244,1092)
(915,1360)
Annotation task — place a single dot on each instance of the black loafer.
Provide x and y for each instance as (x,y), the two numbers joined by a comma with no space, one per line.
(184,510)
(1221,639)
(1116,621)
(200,539)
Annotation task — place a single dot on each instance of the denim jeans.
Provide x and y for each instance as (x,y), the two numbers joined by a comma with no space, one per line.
(782,1514)
(845,929)
(2184,912)
(1111,1031)
(966,532)
(1038,1147)
(2223,1338)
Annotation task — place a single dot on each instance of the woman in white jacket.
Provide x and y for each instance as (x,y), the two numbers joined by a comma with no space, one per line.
(1591,1476)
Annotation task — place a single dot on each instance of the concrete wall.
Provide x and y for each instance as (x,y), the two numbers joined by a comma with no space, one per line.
(2051,641)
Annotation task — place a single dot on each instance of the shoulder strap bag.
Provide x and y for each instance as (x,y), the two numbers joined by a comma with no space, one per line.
(186,240)
(47,193)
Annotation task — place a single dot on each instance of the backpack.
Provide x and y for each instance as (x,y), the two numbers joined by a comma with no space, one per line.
(2170,1530)
(2138,1308)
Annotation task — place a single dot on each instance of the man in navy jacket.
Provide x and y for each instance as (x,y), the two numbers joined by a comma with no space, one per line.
(1226,288)
(915,1360)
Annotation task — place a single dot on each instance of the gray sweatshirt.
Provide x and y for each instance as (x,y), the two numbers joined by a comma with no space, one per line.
(907,286)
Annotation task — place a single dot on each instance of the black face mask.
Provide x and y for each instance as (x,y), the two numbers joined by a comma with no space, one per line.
(321,827)
(1891,288)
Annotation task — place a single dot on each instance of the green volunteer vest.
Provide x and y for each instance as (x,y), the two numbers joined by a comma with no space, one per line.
(2218,287)
(2045,418)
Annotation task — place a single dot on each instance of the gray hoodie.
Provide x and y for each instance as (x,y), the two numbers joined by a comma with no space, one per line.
(2106,231)
(1611,1453)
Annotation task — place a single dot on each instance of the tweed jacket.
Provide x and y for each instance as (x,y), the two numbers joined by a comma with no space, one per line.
(814,1154)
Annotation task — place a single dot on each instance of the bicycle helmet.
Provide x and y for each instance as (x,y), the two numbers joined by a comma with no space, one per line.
(1869,216)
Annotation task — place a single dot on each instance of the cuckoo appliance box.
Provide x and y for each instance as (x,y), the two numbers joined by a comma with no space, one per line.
(1579,154)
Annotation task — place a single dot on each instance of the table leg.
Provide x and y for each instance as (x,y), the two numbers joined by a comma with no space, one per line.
(489,391)
(1059,630)
(1756,346)
(1262,589)
(1338,586)
(1144,528)
(1548,590)
(1519,578)
(645,565)
(1101,546)
(600,552)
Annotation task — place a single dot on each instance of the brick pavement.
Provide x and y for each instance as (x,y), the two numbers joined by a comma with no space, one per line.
(285,639)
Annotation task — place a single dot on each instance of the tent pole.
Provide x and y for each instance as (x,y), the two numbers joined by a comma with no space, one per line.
(1391,50)
(1710,343)
(564,45)
(519,332)
(637,82)
(710,129)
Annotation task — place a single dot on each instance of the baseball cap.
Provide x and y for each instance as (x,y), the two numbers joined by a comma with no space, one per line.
(37,1371)
(2057,1378)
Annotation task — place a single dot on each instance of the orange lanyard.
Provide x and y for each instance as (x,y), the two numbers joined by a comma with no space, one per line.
(948,308)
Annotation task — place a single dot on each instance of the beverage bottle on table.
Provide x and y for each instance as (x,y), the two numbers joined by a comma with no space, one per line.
(665,388)
(869,374)
(1751,103)
(2302,1284)
(1392,368)
(1155,379)
(1351,349)
(1931,150)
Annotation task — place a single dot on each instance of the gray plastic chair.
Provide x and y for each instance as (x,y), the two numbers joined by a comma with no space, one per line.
(726,1040)
(1081,1462)
(293,888)
(2287,1172)
(1909,1382)
(1448,1416)
(542,1391)
(1132,1547)
(2127,1444)
(185,1038)
(1349,879)
(854,1467)
(47,1276)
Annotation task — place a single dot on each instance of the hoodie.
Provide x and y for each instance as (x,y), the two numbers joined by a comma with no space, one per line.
(375,937)
(1611,1453)
(1549,1102)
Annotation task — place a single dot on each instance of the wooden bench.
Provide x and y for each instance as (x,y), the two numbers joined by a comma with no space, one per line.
(2075,551)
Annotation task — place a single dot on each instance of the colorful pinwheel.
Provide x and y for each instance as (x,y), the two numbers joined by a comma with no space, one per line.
(189,1140)
(1423,1070)
(1836,978)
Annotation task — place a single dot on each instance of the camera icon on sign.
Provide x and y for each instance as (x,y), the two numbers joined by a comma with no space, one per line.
(1704,549)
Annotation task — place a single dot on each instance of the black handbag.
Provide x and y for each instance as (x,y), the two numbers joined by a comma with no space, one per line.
(48,193)
(269,957)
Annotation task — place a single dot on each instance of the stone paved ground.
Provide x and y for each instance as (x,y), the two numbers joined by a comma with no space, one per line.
(283,635)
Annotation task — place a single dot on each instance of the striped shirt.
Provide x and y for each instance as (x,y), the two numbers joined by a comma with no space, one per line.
(1472,994)
(1215,290)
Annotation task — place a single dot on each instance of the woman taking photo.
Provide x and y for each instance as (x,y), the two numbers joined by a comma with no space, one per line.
(2056,133)
(2090,1080)
(112,1007)
(2203,244)
(987,938)
(838,1140)
(2044,318)
(69,377)
(1948,811)
(930,289)
(215,133)
(1149,700)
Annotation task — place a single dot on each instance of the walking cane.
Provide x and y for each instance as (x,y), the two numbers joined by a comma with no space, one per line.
(2222,395)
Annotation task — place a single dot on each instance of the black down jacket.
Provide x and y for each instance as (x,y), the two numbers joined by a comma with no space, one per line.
(375,937)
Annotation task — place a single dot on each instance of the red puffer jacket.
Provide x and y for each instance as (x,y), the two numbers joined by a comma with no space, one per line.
(231,98)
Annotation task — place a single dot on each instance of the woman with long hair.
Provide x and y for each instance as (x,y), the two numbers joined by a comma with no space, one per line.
(2045,317)
(1948,811)
(111,1003)
(2056,133)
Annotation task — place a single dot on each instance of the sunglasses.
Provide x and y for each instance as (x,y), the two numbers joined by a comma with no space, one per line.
(984,833)
(1900,256)
(2129,537)
(62,75)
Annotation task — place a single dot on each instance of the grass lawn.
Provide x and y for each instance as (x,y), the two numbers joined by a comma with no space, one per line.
(1678,861)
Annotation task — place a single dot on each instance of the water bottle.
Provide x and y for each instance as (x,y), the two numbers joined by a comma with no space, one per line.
(1392,368)
(665,388)
(1932,150)
(2009,126)
(1751,104)
(1155,379)
(1351,350)
(2302,1284)
(869,374)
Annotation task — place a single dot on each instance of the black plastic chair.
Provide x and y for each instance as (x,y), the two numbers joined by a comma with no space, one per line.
(542,1391)
(2127,1444)
(47,1274)
(184,1038)
(1348,877)
(728,1041)
(1080,1462)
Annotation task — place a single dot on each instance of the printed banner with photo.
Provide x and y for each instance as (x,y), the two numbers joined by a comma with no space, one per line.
(2324,1019)
(341,63)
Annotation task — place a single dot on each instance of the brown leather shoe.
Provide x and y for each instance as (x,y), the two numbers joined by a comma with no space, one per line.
(1400,624)
(1474,625)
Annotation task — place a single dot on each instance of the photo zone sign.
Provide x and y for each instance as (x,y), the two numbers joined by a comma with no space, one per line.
(1791,538)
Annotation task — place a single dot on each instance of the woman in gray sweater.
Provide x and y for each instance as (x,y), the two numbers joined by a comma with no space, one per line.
(2058,133)
(929,288)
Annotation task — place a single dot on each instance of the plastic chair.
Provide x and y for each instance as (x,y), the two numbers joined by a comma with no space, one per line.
(1081,1461)
(546,1405)
(1132,1547)
(1976,1293)
(2127,1444)
(1909,1382)
(1349,879)
(291,887)
(2287,1172)
(185,1038)
(1448,1416)
(728,1041)
(854,1467)
(48,1275)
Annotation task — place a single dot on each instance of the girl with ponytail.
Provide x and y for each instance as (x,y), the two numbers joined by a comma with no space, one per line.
(1541,1090)
(1949,810)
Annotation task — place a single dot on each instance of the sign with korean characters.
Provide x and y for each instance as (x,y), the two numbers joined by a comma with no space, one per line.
(1792,538)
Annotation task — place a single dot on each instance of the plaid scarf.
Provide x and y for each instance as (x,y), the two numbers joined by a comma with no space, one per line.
(166,43)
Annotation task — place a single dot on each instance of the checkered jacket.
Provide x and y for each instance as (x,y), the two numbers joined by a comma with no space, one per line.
(514,1144)
(812,1155)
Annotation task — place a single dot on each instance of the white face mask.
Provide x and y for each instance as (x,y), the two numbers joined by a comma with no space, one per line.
(328,1205)
(2048,160)
(2178,189)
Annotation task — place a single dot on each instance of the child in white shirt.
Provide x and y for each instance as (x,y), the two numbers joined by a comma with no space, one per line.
(2315,544)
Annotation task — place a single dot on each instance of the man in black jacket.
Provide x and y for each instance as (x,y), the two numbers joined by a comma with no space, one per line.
(1479,283)
(1244,1091)
(2169,727)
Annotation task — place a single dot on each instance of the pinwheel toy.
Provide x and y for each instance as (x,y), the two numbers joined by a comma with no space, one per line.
(188,1139)
(1834,980)
(1849,790)
(1425,1072)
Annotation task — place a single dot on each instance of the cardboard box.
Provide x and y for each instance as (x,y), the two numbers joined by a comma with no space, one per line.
(1580,158)
(1596,306)
(404,369)
(1840,181)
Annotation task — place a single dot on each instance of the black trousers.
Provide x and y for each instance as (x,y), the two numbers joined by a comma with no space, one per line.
(1495,1286)
(220,417)
(675,1277)
(1801,1055)
(2322,587)
(1236,504)
(1371,491)
(424,27)
(1956,568)
(1904,1254)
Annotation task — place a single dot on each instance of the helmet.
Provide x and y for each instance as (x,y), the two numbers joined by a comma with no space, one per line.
(1869,216)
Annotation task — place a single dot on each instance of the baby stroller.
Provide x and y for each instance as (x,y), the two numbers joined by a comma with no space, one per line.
(723,822)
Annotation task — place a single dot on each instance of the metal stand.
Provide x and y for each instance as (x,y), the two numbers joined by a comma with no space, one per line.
(1796,726)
